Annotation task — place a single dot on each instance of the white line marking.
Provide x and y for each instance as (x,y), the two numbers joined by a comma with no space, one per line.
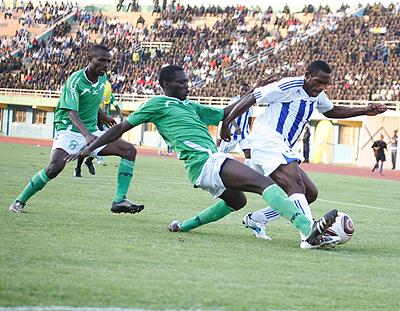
(374,207)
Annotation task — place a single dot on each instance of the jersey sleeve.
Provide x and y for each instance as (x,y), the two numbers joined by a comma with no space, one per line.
(271,93)
(144,114)
(324,103)
(208,114)
(71,95)
(113,101)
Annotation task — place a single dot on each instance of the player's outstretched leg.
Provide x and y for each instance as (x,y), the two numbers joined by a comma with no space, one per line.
(211,214)
(120,203)
(38,181)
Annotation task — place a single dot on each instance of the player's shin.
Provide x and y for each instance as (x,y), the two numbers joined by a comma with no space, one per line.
(213,213)
(299,199)
(38,181)
(277,200)
(125,173)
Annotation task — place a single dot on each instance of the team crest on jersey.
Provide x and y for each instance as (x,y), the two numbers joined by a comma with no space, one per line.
(95,92)
(72,144)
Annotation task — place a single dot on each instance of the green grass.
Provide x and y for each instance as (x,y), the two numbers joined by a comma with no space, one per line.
(68,249)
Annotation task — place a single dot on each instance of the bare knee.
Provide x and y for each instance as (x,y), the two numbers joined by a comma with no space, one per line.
(129,152)
(311,194)
(238,204)
(53,169)
(234,199)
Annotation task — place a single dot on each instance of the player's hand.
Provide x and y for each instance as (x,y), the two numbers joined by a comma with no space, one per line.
(374,109)
(81,154)
(265,81)
(109,121)
(238,131)
(90,138)
(225,132)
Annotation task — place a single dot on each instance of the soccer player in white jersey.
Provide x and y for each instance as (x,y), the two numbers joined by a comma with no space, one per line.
(275,131)
(75,122)
(183,125)
(240,129)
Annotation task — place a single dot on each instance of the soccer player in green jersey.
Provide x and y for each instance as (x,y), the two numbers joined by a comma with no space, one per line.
(183,125)
(76,128)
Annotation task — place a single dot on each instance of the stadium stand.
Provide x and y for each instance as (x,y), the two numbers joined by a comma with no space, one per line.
(208,41)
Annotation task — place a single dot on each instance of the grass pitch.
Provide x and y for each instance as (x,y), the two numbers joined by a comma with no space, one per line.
(68,249)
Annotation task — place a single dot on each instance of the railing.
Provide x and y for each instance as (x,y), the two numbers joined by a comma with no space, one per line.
(219,101)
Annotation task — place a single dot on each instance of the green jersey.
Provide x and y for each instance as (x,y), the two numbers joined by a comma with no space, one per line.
(83,96)
(183,125)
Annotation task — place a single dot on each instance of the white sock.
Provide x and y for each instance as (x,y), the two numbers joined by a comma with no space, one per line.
(301,203)
(265,215)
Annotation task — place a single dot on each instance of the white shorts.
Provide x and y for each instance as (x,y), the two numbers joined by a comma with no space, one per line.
(230,146)
(72,142)
(209,179)
(269,149)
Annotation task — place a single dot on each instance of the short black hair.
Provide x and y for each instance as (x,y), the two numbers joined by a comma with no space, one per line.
(245,84)
(168,73)
(96,48)
(318,65)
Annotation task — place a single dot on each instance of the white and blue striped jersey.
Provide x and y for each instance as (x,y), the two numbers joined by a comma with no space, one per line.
(242,121)
(290,107)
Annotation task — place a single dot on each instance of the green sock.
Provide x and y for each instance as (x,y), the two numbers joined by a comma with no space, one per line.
(278,200)
(38,181)
(125,173)
(213,213)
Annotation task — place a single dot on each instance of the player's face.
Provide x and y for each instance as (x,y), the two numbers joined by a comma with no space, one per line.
(99,62)
(243,90)
(313,85)
(179,87)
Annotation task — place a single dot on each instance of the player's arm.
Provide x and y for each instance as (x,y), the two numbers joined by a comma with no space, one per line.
(238,130)
(78,124)
(109,136)
(231,112)
(119,112)
(347,112)
(106,108)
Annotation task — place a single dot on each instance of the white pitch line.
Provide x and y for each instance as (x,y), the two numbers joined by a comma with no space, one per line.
(341,203)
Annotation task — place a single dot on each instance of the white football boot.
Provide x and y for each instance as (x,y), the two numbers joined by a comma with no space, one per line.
(325,242)
(257,227)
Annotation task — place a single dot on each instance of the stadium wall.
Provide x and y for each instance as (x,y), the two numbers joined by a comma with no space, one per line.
(9,104)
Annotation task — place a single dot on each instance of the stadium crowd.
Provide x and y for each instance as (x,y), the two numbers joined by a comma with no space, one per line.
(361,71)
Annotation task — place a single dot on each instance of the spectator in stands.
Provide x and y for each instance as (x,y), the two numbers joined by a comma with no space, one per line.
(3,6)
(286,9)
(140,21)
(9,13)
(21,6)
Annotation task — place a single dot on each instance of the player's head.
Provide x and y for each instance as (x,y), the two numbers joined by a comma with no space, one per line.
(99,59)
(243,89)
(317,77)
(174,82)
(381,137)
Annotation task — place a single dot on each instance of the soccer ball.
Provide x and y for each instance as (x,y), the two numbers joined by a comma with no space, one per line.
(343,228)
(160,152)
